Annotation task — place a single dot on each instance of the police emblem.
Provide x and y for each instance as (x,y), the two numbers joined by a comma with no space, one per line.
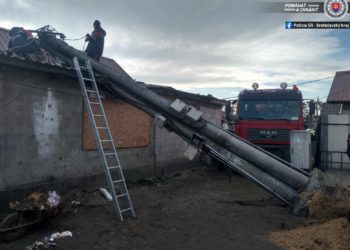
(335,9)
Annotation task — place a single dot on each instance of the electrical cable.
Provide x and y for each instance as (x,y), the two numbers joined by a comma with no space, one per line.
(84,46)
(330,77)
(75,39)
(298,84)
(22,46)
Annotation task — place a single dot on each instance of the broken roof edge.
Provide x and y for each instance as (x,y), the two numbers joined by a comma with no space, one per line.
(342,72)
(340,91)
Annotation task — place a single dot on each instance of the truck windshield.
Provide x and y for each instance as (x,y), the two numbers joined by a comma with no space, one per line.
(269,110)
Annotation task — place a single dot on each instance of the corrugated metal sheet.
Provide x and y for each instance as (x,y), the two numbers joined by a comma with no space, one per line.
(340,90)
(4,39)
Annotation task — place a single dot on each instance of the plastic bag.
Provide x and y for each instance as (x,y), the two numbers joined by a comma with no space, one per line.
(53,200)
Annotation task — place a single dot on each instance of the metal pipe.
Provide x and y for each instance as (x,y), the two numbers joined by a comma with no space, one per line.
(273,167)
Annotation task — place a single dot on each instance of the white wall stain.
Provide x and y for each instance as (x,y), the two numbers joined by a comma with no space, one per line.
(46,125)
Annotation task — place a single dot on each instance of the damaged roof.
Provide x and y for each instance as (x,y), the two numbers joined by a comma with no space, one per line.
(4,40)
(55,65)
(340,89)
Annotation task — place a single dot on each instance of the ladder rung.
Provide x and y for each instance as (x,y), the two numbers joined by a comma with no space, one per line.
(114,167)
(126,209)
(88,79)
(109,153)
(88,85)
(121,195)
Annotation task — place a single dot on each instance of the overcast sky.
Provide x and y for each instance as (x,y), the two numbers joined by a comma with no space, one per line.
(213,47)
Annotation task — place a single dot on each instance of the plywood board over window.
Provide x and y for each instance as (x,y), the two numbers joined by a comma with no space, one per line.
(130,126)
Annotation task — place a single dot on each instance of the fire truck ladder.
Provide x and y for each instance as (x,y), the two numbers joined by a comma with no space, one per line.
(107,150)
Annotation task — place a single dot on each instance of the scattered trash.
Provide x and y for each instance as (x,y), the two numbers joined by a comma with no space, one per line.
(49,243)
(36,246)
(36,208)
(35,201)
(105,194)
(15,204)
(53,200)
(62,235)
(36,196)
(76,203)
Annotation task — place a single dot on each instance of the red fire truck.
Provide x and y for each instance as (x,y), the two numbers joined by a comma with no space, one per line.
(265,117)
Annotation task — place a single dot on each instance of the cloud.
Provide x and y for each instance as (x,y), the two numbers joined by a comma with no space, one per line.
(194,44)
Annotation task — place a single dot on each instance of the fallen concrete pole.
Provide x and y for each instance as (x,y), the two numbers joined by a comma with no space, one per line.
(278,174)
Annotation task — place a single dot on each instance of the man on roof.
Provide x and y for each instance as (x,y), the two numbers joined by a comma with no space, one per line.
(96,41)
(21,41)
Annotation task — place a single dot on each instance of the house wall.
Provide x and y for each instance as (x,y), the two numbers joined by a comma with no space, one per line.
(41,130)
(333,145)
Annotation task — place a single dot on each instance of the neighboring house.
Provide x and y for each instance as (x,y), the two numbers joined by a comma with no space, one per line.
(45,135)
(335,124)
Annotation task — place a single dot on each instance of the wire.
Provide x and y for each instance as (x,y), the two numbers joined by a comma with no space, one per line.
(84,46)
(22,46)
(346,88)
(298,84)
(75,39)
(314,81)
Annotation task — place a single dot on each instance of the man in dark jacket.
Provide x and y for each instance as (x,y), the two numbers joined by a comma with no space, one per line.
(96,41)
(21,41)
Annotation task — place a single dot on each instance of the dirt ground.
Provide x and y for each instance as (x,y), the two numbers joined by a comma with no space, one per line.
(330,234)
(196,209)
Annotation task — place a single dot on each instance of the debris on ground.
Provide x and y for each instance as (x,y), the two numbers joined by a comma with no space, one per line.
(188,210)
(37,208)
(326,208)
(105,194)
(61,235)
(38,201)
(36,246)
(49,243)
(332,234)
(53,199)
(322,200)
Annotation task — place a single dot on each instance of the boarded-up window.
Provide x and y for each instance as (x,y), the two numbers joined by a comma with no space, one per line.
(130,126)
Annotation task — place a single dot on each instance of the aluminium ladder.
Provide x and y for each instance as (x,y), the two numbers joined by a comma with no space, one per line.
(108,154)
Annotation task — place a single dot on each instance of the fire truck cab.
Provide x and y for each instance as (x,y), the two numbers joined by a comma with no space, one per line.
(265,117)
